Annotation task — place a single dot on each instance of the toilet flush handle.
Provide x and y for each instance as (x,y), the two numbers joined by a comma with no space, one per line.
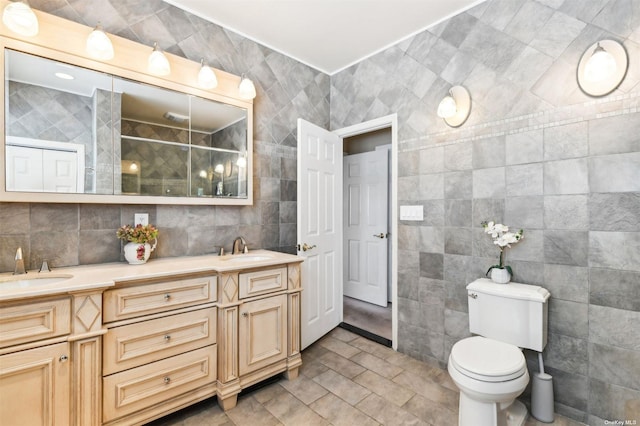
(473,295)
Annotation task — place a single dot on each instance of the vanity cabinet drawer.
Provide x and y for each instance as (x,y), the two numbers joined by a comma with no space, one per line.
(136,389)
(34,321)
(262,282)
(144,342)
(137,300)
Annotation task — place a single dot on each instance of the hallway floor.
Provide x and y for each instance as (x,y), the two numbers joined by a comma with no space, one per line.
(345,380)
(366,316)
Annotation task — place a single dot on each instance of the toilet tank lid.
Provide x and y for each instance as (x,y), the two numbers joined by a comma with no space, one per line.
(511,290)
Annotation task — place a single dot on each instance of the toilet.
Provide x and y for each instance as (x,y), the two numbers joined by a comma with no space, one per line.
(489,368)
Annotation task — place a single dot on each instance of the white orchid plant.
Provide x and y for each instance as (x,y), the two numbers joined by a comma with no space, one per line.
(503,238)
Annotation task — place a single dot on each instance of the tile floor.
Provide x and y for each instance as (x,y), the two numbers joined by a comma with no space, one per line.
(345,380)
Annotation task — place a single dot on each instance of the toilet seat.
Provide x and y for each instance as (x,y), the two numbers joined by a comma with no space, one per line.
(488,360)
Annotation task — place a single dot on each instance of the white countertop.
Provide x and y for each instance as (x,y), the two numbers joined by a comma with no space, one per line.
(105,275)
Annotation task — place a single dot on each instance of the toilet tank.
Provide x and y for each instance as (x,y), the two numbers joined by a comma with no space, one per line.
(511,313)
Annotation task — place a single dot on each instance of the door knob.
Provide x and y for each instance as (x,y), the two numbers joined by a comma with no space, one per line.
(380,235)
(306,247)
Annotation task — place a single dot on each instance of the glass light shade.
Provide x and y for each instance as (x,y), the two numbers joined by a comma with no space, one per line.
(447,107)
(207,77)
(203,174)
(19,18)
(600,66)
(219,168)
(99,45)
(158,62)
(242,161)
(246,89)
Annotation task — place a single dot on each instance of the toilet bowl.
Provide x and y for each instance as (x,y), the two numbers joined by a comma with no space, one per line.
(490,375)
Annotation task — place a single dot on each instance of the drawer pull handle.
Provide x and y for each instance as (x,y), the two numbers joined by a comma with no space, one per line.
(167,380)
(64,358)
(167,337)
(167,297)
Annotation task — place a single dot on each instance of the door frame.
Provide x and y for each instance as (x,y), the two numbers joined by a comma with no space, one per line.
(366,127)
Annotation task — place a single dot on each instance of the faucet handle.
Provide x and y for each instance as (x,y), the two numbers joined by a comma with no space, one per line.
(246,249)
(221,252)
(19,253)
(44,267)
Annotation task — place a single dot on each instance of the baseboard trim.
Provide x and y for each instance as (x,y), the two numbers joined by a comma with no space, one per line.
(366,334)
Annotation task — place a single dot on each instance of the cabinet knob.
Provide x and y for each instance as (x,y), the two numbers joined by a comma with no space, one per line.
(167,297)
(245,314)
(64,358)
(167,337)
(167,380)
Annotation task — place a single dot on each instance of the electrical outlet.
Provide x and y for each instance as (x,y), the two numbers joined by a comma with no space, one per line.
(141,219)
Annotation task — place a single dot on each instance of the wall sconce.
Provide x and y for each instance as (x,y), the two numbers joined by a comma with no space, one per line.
(158,63)
(206,77)
(602,68)
(20,18)
(99,45)
(455,107)
(246,89)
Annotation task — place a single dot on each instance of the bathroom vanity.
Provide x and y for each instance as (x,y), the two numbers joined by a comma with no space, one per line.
(122,344)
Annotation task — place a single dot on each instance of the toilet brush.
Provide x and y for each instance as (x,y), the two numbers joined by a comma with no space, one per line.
(542,395)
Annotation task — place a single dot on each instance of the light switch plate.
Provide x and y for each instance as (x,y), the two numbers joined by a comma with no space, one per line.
(415,213)
(141,219)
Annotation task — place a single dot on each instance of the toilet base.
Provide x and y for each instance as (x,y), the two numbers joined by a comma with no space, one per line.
(476,413)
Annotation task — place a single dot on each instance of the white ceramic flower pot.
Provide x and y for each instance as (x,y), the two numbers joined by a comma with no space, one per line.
(138,253)
(500,276)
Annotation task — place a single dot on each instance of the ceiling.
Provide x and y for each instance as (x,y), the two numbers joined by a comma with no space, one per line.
(328,35)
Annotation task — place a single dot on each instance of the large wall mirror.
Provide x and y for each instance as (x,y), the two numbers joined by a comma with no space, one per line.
(76,134)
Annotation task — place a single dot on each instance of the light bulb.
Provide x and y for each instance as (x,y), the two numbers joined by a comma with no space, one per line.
(600,66)
(447,107)
(99,45)
(20,18)
(219,168)
(207,77)
(203,174)
(158,62)
(246,89)
(133,167)
(242,161)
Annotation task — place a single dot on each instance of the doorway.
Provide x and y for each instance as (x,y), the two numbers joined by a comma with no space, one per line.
(366,224)
(320,225)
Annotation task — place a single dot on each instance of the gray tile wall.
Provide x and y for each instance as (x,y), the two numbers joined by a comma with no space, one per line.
(287,89)
(536,153)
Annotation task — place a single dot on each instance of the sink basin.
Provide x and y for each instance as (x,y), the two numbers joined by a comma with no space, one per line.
(31,280)
(247,258)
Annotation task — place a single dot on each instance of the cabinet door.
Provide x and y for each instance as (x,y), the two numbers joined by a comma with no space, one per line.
(263,333)
(34,386)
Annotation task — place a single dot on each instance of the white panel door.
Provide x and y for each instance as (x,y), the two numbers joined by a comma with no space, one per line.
(365,226)
(319,229)
(24,169)
(60,171)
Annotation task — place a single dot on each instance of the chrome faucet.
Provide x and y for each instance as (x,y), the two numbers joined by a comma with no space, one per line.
(239,246)
(19,270)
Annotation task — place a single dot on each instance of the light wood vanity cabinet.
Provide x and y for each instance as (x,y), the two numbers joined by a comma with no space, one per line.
(127,351)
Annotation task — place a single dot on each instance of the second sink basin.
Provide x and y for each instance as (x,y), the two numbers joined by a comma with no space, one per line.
(247,258)
(31,280)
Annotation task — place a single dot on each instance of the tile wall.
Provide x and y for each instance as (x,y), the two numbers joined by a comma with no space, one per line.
(536,153)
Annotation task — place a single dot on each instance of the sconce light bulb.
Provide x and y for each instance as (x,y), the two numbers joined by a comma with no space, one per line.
(207,77)
(203,174)
(246,89)
(133,167)
(447,107)
(99,45)
(600,66)
(242,161)
(20,18)
(158,62)
(219,168)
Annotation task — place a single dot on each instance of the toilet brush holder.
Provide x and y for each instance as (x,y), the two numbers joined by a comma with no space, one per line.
(542,397)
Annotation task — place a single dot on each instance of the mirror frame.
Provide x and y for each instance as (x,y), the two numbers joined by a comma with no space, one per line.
(64,41)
